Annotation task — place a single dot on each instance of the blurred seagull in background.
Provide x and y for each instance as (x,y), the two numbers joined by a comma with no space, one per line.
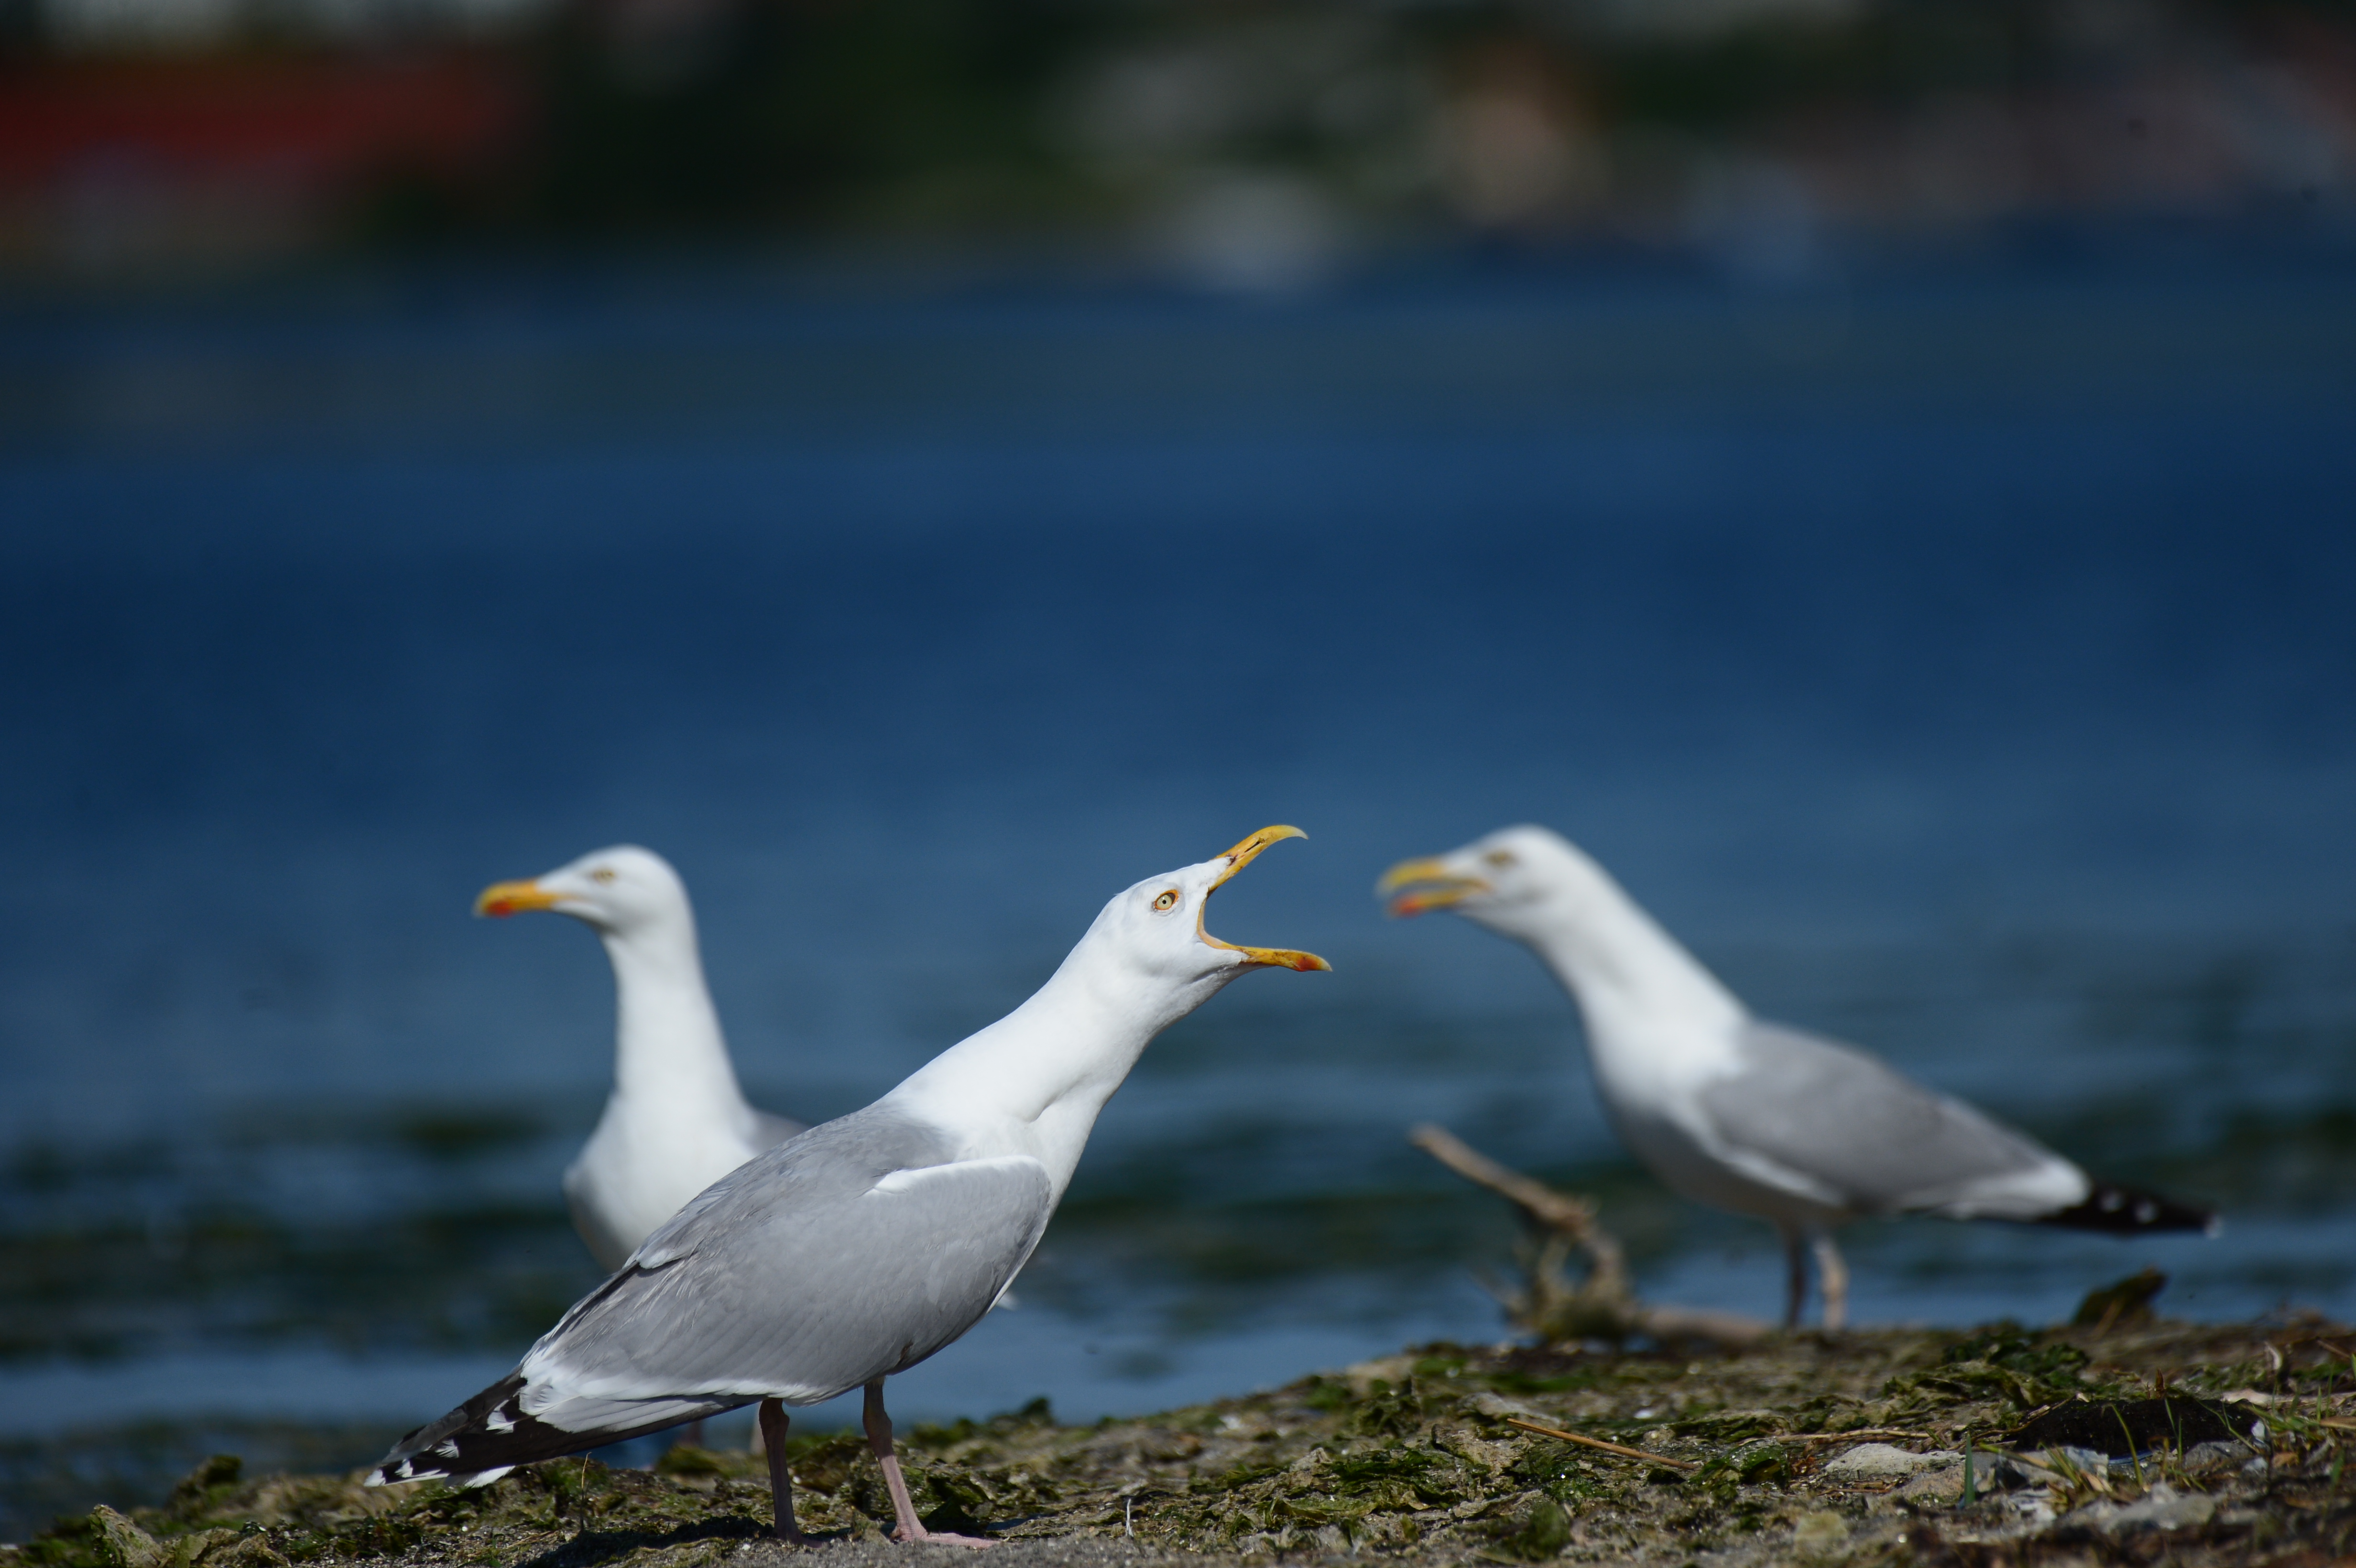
(1802,1132)
(676,1122)
(859,1248)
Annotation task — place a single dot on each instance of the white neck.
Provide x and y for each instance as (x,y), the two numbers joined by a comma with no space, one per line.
(667,1049)
(1640,992)
(1033,1082)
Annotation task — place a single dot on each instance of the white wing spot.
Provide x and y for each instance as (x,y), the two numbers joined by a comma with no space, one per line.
(918,1176)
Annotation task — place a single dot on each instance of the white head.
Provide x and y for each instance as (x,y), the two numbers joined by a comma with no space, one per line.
(1156,926)
(1518,881)
(1150,939)
(618,892)
(1033,1082)
(1535,887)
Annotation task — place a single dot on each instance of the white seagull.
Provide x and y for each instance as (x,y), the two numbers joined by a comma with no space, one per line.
(1803,1131)
(676,1122)
(859,1248)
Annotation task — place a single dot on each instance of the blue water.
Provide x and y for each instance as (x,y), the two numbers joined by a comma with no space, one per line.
(1963,664)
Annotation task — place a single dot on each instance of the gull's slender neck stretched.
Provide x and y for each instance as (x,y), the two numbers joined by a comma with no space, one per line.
(1033,1082)
(1627,973)
(668,1047)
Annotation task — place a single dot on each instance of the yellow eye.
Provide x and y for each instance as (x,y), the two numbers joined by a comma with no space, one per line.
(602,874)
(1501,859)
(1167,902)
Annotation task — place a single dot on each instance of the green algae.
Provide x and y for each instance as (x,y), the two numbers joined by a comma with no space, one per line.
(1429,1456)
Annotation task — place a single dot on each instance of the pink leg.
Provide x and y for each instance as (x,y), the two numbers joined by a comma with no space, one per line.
(781,1484)
(878,1443)
(1832,1280)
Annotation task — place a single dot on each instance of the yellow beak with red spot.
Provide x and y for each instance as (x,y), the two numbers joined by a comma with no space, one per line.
(1430,885)
(502,899)
(1242,855)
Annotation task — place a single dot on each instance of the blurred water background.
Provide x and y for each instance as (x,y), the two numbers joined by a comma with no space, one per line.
(1962,665)
(1877,476)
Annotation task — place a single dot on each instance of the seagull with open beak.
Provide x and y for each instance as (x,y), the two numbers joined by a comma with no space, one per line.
(1747,1116)
(861,1247)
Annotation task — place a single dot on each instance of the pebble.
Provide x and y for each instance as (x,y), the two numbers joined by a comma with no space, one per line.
(2216,1458)
(2163,1508)
(1818,1533)
(1496,1407)
(1882,1461)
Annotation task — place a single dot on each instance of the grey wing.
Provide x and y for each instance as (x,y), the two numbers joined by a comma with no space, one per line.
(769,1131)
(808,1270)
(1868,1139)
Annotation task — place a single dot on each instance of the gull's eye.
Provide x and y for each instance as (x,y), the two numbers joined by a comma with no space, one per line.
(1167,902)
(602,874)
(1501,859)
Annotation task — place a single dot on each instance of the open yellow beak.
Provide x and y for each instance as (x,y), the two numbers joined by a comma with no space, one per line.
(502,899)
(1442,886)
(1242,855)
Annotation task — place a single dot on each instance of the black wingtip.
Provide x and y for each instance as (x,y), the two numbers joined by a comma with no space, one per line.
(2131,1211)
(459,1444)
(483,1439)
(490,1434)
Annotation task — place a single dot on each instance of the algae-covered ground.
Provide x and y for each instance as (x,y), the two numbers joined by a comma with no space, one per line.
(2163,1442)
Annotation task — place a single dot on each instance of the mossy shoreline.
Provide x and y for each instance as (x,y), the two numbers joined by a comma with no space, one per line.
(2157,1441)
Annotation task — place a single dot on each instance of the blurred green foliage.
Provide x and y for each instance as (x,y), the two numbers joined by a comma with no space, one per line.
(925,116)
(1270,132)
(891,111)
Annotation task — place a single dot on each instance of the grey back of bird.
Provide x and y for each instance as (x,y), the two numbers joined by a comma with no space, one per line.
(853,1251)
(1872,1140)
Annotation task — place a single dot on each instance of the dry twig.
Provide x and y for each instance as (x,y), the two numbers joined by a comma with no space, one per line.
(1621,1450)
(1599,1306)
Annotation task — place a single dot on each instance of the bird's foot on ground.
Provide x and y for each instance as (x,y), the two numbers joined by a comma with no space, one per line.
(921,1536)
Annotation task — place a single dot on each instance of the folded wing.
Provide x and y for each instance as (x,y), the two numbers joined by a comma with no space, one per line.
(1831,1123)
(849,1252)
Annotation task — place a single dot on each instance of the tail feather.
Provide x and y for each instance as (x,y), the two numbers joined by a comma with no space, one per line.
(490,1434)
(2131,1211)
